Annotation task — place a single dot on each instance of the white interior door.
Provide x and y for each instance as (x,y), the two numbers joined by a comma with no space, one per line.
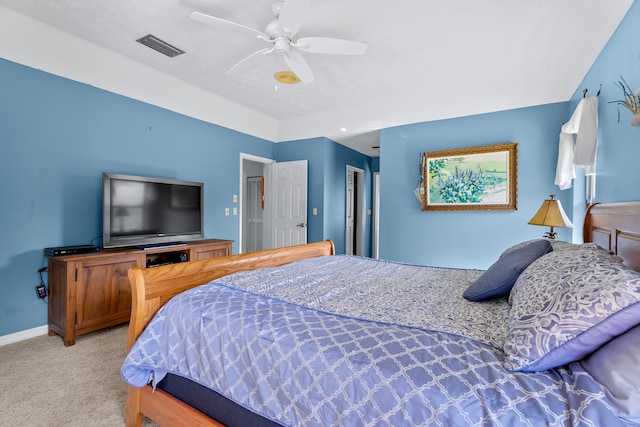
(288,200)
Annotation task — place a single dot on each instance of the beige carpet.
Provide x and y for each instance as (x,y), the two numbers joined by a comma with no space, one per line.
(44,383)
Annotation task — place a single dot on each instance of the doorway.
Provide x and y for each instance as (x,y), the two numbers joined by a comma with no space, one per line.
(354,212)
(272,203)
(253,224)
(254,218)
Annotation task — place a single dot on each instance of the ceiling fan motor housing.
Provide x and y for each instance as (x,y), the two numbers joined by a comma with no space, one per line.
(282,45)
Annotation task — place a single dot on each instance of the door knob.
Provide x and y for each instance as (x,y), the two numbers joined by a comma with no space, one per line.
(301,225)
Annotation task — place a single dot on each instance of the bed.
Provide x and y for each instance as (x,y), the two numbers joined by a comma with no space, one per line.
(547,335)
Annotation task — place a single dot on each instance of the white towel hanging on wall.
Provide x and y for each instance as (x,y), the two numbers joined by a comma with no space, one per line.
(581,150)
(565,170)
(587,137)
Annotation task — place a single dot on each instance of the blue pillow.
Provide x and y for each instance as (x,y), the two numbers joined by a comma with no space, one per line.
(498,280)
(616,365)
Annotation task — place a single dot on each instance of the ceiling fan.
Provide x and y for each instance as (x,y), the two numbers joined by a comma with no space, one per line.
(280,34)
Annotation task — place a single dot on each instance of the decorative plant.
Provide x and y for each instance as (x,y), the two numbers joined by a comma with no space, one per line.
(630,100)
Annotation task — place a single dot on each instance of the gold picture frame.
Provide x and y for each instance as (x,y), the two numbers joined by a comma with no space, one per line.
(470,179)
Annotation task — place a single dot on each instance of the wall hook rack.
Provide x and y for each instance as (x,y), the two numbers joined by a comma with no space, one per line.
(584,91)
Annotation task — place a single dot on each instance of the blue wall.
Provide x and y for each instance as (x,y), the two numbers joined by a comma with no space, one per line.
(58,136)
(337,157)
(465,239)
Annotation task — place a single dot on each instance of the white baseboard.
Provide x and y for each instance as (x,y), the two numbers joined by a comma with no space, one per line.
(24,335)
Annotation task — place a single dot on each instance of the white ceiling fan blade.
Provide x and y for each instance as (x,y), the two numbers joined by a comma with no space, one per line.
(246,62)
(330,46)
(213,20)
(292,15)
(299,66)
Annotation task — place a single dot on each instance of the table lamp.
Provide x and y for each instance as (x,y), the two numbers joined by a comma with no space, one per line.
(551,215)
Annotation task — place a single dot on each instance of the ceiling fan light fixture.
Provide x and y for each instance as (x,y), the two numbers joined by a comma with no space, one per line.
(280,33)
(286,77)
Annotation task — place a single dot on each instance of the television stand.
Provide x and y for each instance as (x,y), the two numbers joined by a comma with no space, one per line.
(88,292)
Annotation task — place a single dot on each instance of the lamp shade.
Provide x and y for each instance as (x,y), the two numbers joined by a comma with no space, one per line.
(551,214)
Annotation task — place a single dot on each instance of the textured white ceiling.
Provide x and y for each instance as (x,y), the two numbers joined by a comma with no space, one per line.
(426,60)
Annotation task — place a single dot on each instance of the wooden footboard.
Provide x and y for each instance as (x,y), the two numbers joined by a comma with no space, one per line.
(153,287)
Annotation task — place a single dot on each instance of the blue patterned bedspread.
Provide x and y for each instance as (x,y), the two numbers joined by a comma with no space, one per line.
(386,345)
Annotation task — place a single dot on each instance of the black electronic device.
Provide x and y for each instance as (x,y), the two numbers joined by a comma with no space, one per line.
(71,250)
(139,211)
(167,258)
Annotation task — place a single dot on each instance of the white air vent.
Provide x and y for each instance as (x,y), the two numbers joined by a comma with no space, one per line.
(161,46)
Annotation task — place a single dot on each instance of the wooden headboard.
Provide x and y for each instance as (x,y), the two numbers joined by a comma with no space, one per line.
(615,226)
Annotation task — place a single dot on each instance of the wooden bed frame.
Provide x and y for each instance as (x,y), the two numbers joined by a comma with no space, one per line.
(614,226)
(152,287)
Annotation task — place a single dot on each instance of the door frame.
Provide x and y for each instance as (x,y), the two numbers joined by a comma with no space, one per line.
(375,232)
(242,191)
(359,202)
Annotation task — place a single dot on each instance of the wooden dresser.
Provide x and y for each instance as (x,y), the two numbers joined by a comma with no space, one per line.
(92,291)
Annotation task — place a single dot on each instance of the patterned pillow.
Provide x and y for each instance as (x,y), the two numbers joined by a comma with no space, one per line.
(566,304)
(559,245)
(556,245)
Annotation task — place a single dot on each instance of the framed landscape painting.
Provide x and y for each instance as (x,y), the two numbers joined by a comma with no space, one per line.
(470,179)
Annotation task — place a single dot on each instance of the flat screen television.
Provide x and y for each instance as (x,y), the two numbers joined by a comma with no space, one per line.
(146,211)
